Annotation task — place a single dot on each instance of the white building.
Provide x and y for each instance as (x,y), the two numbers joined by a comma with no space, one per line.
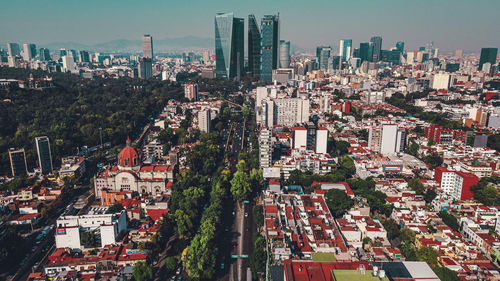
(265,156)
(300,138)
(204,118)
(191,91)
(441,81)
(69,64)
(387,139)
(321,140)
(109,226)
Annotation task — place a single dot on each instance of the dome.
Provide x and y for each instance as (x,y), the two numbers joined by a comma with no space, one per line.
(128,157)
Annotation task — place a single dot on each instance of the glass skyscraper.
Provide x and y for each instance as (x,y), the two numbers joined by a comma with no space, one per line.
(345,49)
(18,162)
(253,46)
(377,47)
(366,51)
(284,54)
(487,55)
(269,46)
(322,55)
(400,46)
(44,54)
(44,155)
(14,50)
(229,46)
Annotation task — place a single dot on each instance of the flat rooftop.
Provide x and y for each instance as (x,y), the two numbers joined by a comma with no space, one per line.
(355,275)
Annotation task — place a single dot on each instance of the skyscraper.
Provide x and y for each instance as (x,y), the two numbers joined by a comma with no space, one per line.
(191,91)
(253,46)
(270,46)
(345,49)
(284,54)
(147,46)
(487,55)
(377,47)
(366,51)
(400,46)
(145,68)
(29,51)
(322,55)
(84,56)
(44,155)
(18,164)
(45,54)
(229,46)
(204,119)
(13,49)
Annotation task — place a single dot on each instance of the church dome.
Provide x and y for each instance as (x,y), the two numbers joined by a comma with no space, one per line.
(128,157)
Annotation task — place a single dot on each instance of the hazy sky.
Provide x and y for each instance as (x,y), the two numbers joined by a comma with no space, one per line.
(451,24)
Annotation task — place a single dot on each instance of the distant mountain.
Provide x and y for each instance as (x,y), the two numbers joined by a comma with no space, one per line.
(126,45)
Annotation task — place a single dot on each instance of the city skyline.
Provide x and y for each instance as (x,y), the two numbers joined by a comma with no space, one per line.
(414,23)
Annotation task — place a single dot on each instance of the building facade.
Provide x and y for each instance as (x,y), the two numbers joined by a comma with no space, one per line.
(44,154)
(229,46)
(269,46)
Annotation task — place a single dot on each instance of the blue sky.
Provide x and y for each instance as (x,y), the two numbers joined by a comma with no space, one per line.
(451,24)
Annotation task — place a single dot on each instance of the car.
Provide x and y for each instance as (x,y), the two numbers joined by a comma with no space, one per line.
(246,215)
(221,266)
(178,271)
(235,244)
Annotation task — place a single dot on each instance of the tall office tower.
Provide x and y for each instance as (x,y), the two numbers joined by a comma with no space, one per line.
(74,55)
(377,47)
(400,46)
(334,63)
(366,51)
(284,54)
(147,46)
(270,32)
(265,149)
(14,50)
(44,155)
(459,53)
(68,63)
(206,56)
(62,52)
(191,91)
(146,68)
(253,46)
(204,119)
(322,55)
(229,46)
(487,55)
(345,49)
(18,164)
(45,54)
(29,51)
(84,56)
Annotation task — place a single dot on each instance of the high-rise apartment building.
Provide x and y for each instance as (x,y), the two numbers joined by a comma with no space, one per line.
(308,137)
(265,149)
(377,47)
(322,56)
(284,54)
(345,49)
(456,184)
(145,68)
(147,46)
(204,119)
(229,46)
(18,164)
(289,111)
(29,51)
(253,46)
(44,155)
(270,34)
(191,91)
(441,81)
(366,51)
(14,50)
(45,54)
(387,139)
(487,55)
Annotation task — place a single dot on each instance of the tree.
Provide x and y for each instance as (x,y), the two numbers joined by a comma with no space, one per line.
(170,263)
(240,184)
(413,149)
(258,257)
(347,164)
(142,272)
(184,223)
(430,195)
(258,215)
(434,160)
(338,202)
(407,235)
(450,220)
(200,258)
(429,255)
(487,195)
(446,274)
(115,208)
(416,185)
(431,143)
(87,238)
(392,228)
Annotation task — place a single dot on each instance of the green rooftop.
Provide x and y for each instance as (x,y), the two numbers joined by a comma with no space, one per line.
(355,275)
(323,257)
